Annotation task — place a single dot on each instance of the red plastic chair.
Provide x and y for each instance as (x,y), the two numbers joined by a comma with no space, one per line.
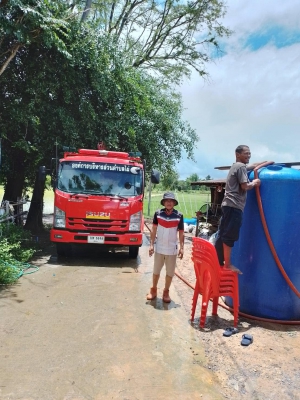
(212,281)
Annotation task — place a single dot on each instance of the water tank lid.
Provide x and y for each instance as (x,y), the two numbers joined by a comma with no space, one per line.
(274,167)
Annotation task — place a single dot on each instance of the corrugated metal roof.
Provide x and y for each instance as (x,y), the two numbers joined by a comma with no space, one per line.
(211,182)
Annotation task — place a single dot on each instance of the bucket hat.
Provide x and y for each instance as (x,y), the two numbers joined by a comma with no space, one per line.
(168,196)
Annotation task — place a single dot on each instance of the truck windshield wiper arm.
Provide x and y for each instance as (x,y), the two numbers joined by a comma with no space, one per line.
(79,195)
(88,193)
(113,196)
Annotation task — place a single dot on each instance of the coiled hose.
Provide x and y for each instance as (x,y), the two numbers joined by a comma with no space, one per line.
(252,317)
(18,269)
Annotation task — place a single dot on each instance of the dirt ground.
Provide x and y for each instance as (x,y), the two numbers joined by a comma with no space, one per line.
(266,369)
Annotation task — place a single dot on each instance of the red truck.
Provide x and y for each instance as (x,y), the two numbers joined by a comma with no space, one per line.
(99,200)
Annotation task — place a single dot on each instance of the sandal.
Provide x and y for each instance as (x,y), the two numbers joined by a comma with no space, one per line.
(230,331)
(246,339)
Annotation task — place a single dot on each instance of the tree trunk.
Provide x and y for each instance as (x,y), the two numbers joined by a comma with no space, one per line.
(34,221)
(87,8)
(14,187)
(15,181)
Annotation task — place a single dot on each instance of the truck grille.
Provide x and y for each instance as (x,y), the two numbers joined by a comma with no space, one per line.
(97,225)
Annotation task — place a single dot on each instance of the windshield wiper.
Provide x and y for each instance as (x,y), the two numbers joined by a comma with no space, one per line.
(95,193)
(78,195)
(86,194)
(113,196)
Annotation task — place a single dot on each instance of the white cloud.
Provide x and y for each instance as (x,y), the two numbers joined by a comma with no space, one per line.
(252,98)
(246,16)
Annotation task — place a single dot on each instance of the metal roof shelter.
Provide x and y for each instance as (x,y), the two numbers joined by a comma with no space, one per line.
(211,212)
(210,183)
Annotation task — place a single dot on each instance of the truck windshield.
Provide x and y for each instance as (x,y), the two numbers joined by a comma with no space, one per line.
(100,178)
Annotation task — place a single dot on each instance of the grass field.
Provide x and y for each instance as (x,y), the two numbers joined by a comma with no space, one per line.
(189,203)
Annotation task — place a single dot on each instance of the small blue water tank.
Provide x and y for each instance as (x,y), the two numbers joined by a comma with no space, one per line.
(190,221)
(263,290)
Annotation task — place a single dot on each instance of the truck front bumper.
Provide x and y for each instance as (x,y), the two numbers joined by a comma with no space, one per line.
(125,239)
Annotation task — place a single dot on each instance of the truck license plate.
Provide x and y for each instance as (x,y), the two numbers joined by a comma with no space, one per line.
(96,239)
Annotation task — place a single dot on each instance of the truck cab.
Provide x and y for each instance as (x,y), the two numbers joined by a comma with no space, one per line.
(99,200)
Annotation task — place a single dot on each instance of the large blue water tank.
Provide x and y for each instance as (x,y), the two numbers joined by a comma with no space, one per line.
(263,290)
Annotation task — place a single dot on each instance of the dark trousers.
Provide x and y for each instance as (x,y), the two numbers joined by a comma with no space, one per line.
(229,230)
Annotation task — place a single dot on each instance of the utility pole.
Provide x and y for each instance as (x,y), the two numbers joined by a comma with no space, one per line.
(149,198)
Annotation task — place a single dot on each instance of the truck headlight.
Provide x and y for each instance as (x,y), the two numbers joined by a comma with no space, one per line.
(59,218)
(135,221)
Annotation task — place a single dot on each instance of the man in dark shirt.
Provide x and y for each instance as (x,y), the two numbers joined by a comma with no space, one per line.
(237,185)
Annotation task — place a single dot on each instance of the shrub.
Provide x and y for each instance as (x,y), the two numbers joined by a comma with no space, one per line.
(16,247)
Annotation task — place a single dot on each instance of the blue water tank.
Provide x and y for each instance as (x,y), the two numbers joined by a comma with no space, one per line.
(190,221)
(263,290)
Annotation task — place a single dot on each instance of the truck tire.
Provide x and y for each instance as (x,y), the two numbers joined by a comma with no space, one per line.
(63,249)
(133,251)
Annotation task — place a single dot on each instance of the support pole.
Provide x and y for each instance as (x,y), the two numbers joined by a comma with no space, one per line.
(149,198)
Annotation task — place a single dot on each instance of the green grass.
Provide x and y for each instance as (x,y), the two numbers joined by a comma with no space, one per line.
(48,201)
(188,203)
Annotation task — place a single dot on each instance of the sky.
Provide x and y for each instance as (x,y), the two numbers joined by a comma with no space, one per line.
(253,94)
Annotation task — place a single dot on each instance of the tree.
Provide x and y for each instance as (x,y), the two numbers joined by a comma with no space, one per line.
(169,180)
(30,22)
(167,36)
(183,185)
(192,178)
(127,108)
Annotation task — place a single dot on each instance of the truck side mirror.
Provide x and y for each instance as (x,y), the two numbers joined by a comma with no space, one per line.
(42,173)
(155,176)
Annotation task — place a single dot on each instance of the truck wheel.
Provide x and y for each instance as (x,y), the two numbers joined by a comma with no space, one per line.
(133,251)
(63,249)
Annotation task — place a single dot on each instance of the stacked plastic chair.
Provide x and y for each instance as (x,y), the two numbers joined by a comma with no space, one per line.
(212,281)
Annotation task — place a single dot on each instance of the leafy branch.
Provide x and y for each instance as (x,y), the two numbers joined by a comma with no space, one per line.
(182,35)
(25,22)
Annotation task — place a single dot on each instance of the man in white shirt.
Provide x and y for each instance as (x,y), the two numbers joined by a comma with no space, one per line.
(167,225)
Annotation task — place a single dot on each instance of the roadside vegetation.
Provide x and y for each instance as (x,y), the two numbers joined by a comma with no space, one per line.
(76,73)
(16,249)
